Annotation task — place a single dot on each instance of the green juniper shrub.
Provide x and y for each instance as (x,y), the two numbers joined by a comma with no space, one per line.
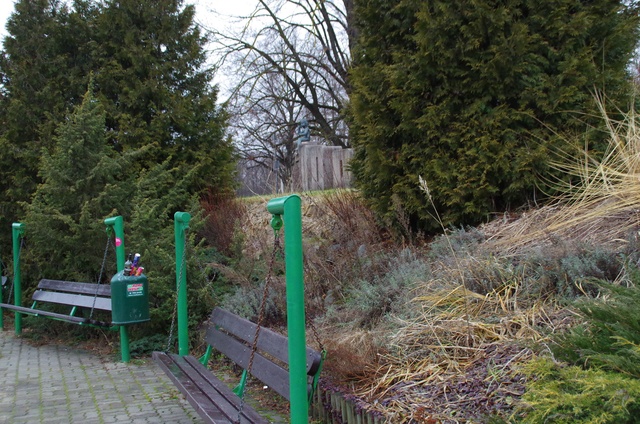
(601,383)
(571,394)
(144,346)
(610,335)
(488,88)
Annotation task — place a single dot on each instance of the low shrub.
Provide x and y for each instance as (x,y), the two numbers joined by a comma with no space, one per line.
(609,338)
(571,394)
(601,384)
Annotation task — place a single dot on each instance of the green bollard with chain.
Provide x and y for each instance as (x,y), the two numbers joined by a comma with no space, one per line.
(181,224)
(289,209)
(17,231)
(115,226)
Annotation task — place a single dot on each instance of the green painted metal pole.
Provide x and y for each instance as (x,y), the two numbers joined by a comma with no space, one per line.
(17,231)
(290,209)
(116,225)
(180,226)
(125,352)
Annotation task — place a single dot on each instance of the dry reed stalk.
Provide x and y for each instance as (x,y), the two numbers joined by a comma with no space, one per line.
(606,202)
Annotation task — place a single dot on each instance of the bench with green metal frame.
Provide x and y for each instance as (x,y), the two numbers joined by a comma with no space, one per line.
(233,336)
(68,293)
(285,364)
(76,295)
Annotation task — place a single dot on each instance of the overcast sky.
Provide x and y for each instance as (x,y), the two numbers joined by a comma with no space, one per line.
(6,7)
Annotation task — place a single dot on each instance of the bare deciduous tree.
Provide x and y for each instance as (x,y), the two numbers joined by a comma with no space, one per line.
(289,61)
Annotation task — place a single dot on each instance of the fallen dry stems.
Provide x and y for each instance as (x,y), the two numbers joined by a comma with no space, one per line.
(433,353)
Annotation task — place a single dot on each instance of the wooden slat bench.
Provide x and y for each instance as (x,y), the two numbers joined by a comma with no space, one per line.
(68,293)
(233,336)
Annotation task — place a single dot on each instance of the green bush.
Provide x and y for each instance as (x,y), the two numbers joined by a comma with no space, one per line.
(610,336)
(601,384)
(472,98)
(571,394)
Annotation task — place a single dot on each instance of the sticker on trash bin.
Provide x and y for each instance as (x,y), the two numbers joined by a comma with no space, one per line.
(134,290)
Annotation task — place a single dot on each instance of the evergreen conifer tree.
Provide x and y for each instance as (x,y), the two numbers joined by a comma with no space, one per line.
(80,187)
(469,95)
(148,59)
(40,82)
(157,91)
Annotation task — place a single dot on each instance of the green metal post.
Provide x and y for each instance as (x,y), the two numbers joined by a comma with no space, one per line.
(2,298)
(125,352)
(115,225)
(289,208)
(180,225)
(17,231)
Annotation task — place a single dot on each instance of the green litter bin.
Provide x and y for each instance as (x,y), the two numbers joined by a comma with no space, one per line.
(129,299)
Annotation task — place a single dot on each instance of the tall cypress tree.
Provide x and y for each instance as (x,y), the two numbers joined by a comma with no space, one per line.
(148,59)
(468,96)
(81,185)
(40,84)
(156,89)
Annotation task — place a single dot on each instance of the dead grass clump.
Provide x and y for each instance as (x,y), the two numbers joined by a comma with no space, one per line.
(343,246)
(603,207)
(457,354)
(352,355)
(347,219)
(223,214)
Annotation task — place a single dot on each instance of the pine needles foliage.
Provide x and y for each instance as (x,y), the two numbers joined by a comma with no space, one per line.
(571,394)
(81,186)
(601,382)
(159,193)
(609,338)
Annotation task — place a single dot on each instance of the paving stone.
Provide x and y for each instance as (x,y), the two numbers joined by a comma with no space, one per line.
(56,384)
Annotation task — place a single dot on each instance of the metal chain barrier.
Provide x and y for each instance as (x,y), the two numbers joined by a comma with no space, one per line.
(277,247)
(175,304)
(104,261)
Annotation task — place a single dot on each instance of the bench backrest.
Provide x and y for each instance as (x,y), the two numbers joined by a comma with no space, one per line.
(233,336)
(74,294)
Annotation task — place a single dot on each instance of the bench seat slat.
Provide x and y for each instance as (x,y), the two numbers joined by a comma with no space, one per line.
(205,378)
(201,402)
(273,375)
(269,341)
(104,290)
(70,299)
(233,336)
(62,317)
(209,396)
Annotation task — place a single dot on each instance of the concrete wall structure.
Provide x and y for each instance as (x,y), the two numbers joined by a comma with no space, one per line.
(323,167)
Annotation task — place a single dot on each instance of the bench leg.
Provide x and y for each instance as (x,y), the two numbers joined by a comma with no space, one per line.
(124,344)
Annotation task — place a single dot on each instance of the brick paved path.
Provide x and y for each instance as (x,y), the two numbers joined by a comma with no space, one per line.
(56,384)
